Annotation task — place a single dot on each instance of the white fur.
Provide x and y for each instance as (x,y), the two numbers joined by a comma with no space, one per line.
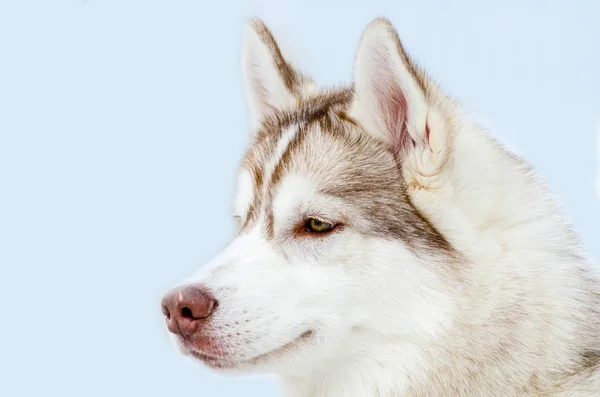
(376,69)
(387,321)
(264,88)
(243,195)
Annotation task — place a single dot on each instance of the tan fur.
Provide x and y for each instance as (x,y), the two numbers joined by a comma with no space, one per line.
(514,352)
(516,299)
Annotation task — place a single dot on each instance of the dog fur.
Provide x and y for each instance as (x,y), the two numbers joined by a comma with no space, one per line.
(451,270)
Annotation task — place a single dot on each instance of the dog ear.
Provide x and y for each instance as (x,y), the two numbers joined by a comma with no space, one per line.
(390,92)
(271,83)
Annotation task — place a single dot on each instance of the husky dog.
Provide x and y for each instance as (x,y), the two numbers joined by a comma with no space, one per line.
(387,246)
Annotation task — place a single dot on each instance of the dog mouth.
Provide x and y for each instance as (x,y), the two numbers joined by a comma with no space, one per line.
(225,362)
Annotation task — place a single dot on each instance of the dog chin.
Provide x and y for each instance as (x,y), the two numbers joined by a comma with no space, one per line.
(231,363)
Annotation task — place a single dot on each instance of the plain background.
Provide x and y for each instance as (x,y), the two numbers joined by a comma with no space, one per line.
(122,123)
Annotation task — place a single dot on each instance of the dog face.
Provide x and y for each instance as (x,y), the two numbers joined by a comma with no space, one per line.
(331,257)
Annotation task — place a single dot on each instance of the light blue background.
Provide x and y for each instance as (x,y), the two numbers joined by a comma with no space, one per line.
(122,123)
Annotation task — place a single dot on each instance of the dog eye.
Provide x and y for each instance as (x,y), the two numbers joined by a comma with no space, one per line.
(314,225)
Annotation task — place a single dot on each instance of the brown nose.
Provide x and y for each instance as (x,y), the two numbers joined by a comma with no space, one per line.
(185,308)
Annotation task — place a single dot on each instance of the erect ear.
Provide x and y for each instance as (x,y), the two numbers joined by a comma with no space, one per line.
(271,83)
(390,93)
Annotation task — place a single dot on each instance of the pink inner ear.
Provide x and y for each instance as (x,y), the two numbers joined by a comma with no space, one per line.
(391,101)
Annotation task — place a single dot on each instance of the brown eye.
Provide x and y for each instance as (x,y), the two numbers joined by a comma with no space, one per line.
(314,225)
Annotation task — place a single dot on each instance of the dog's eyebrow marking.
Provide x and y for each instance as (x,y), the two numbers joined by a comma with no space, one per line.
(270,154)
(287,138)
(277,174)
(277,146)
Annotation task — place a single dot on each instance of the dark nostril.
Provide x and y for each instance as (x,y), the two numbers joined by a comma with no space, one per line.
(184,308)
(186,312)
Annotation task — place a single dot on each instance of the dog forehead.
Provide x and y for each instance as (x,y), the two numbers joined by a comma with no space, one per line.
(305,160)
(328,163)
(294,191)
(321,150)
(303,153)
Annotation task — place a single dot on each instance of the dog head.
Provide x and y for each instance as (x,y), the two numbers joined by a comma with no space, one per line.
(331,257)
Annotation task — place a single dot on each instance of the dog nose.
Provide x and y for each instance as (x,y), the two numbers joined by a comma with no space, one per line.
(185,308)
